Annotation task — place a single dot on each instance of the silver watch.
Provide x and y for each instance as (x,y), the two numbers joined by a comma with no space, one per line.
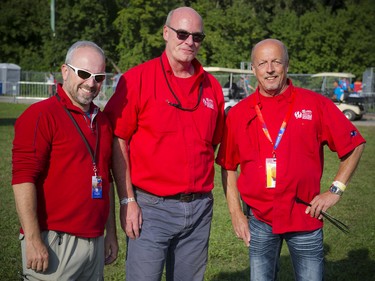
(336,190)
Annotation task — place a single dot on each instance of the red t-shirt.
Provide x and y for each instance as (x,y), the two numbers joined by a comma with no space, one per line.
(315,121)
(171,150)
(49,152)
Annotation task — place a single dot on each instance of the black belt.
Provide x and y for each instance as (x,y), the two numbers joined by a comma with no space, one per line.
(182,197)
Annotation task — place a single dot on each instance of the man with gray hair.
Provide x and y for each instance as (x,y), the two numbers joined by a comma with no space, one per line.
(277,136)
(61,176)
(168,115)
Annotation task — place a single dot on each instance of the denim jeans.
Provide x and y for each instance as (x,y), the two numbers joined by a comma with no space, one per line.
(174,234)
(305,248)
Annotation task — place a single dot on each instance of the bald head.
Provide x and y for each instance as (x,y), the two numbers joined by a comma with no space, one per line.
(185,13)
(270,42)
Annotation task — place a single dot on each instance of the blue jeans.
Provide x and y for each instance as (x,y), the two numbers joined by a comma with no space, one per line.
(305,248)
(174,234)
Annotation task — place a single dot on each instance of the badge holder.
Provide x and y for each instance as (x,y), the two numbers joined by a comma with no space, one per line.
(271,172)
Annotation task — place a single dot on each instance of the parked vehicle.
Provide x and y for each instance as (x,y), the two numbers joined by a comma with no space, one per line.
(352,105)
(227,78)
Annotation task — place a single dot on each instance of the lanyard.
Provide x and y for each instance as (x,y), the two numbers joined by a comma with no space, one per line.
(178,104)
(93,155)
(283,125)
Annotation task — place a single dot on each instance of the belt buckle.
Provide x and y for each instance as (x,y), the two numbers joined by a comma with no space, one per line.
(187,197)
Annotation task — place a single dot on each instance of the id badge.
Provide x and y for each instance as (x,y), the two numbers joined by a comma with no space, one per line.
(97,187)
(271,172)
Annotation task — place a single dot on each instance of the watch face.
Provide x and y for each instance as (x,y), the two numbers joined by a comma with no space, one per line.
(334,189)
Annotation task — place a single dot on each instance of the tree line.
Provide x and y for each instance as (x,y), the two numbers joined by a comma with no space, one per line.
(321,35)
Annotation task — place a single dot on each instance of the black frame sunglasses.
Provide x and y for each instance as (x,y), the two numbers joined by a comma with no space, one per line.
(84,74)
(198,37)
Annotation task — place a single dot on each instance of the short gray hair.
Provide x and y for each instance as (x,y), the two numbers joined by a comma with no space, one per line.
(80,44)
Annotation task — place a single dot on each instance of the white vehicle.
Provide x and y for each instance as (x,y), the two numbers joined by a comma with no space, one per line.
(351,105)
(227,78)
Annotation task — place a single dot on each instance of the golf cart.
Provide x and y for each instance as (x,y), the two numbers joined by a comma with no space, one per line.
(351,104)
(227,78)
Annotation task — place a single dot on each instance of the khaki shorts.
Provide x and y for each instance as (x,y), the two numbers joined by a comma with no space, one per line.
(70,258)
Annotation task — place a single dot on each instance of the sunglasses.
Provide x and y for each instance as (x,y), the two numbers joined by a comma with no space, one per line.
(183,35)
(83,74)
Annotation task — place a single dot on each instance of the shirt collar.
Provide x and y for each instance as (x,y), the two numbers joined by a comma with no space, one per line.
(286,95)
(250,101)
(199,72)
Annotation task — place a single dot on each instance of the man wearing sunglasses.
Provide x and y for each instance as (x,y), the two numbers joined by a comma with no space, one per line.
(62,153)
(168,115)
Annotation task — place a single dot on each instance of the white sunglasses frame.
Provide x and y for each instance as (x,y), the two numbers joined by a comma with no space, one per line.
(76,69)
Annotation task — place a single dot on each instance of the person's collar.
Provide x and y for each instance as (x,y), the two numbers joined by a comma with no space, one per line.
(198,69)
(286,94)
(65,100)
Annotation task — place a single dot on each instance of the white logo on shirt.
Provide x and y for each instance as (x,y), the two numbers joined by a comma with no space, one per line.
(304,114)
(208,103)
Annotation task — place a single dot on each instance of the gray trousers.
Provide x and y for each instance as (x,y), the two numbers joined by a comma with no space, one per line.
(174,234)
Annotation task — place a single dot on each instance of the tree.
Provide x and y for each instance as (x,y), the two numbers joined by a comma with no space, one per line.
(323,35)
(27,37)
(140,27)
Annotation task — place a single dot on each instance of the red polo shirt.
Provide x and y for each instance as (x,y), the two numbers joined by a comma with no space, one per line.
(315,121)
(171,150)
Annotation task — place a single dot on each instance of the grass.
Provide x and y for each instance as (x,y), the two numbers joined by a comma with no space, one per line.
(348,257)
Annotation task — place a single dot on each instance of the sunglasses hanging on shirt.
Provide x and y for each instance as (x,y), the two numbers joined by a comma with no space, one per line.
(178,104)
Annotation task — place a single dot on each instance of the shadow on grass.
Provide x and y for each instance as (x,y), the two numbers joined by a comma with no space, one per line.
(7,121)
(357,267)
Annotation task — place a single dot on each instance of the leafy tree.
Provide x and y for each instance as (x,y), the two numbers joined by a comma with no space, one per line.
(321,35)
(327,38)
(27,37)
(231,29)
(20,25)
(140,26)
(82,20)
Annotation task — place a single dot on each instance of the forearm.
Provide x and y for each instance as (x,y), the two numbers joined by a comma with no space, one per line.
(111,221)
(229,180)
(239,220)
(26,205)
(348,164)
(120,168)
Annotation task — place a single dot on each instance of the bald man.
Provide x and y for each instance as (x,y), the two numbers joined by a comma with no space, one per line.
(276,136)
(168,117)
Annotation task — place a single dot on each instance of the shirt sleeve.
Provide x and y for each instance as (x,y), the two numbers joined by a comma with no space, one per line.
(122,107)
(227,156)
(338,132)
(218,134)
(31,145)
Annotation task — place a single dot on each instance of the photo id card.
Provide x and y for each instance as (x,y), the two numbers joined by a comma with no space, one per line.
(97,187)
(271,172)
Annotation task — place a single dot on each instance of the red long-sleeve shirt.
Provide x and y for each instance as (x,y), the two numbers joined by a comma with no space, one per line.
(49,152)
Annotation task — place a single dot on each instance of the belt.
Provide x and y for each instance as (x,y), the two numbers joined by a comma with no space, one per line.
(182,197)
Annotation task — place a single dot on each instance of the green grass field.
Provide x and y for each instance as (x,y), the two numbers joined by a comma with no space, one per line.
(348,257)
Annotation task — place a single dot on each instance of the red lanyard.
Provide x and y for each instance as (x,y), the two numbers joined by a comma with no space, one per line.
(283,125)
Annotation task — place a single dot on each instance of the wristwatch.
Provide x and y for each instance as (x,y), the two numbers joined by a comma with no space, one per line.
(336,190)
